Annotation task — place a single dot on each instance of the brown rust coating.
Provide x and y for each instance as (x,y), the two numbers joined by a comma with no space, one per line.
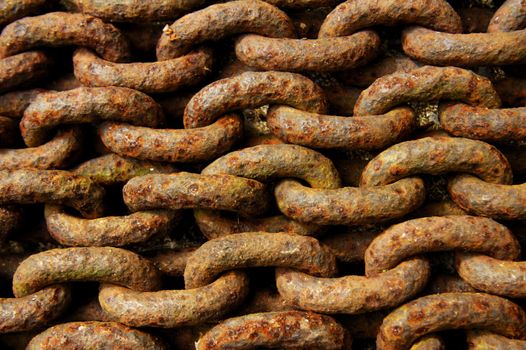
(175,308)
(56,29)
(218,21)
(504,202)
(510,16)
(23,69)
(353,294)
(172,262)
(99,335)
(426,84)
(285,329)
(100,264)
(213,224)
(30,186)
(58,153)
(349,205)
(13,104)
(479,123)
(450,311)
(115,231)
(352,133)
(475,19)
(512,91)
(85,105)
(437,155)
(187,190)
(365,76)
(265,162)
(11,10)
(9,133)
(352,16)
(319,55)
(349,246)
(245,91)
(10,219)
(34,310)
(133,10)
(172,145)
(113,169)
(63,82)
(464,233)
(484,340)
(448,284)
(467,50)
(149,77)
(495,276)
(255,249)
(90,311)
(429,342)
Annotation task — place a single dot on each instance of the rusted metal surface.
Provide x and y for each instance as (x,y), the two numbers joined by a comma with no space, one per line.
(488,199)
(510,16)
(100,335)
(464,233)
(353,294)
(220,20)
(287,329)
(467,50)
(437,155)
(170,75)
(11,10)
(351,16)
(479,340)
(23,69)
(243,91)
(320,55)
(61,28)
(491,275)
(84,105)
(101,264)
(450,311)
(175,308)
(252,249)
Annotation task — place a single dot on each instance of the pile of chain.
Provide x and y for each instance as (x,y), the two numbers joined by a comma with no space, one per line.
(298,174)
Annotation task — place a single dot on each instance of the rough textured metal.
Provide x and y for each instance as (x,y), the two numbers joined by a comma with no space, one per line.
(221,20)
(320,55)
(326,131)
(510,16)
(353,294)
(244,91)
(23,69)
(481,340)
(172,145)
(450,311)
(175,308)
(149,77)
(100,264)
(352,16)
(187,190)
(61,28)
(497,201)
(437,155)
(253,249)
(349,205)
(495,276)
(99,335)
(466,50)
(34,310)
(27,186)
(463,233)
(287,329)
(11,10)
(84,105)
(426,84)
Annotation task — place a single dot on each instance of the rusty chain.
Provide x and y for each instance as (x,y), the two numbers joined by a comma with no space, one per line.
(299,174)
